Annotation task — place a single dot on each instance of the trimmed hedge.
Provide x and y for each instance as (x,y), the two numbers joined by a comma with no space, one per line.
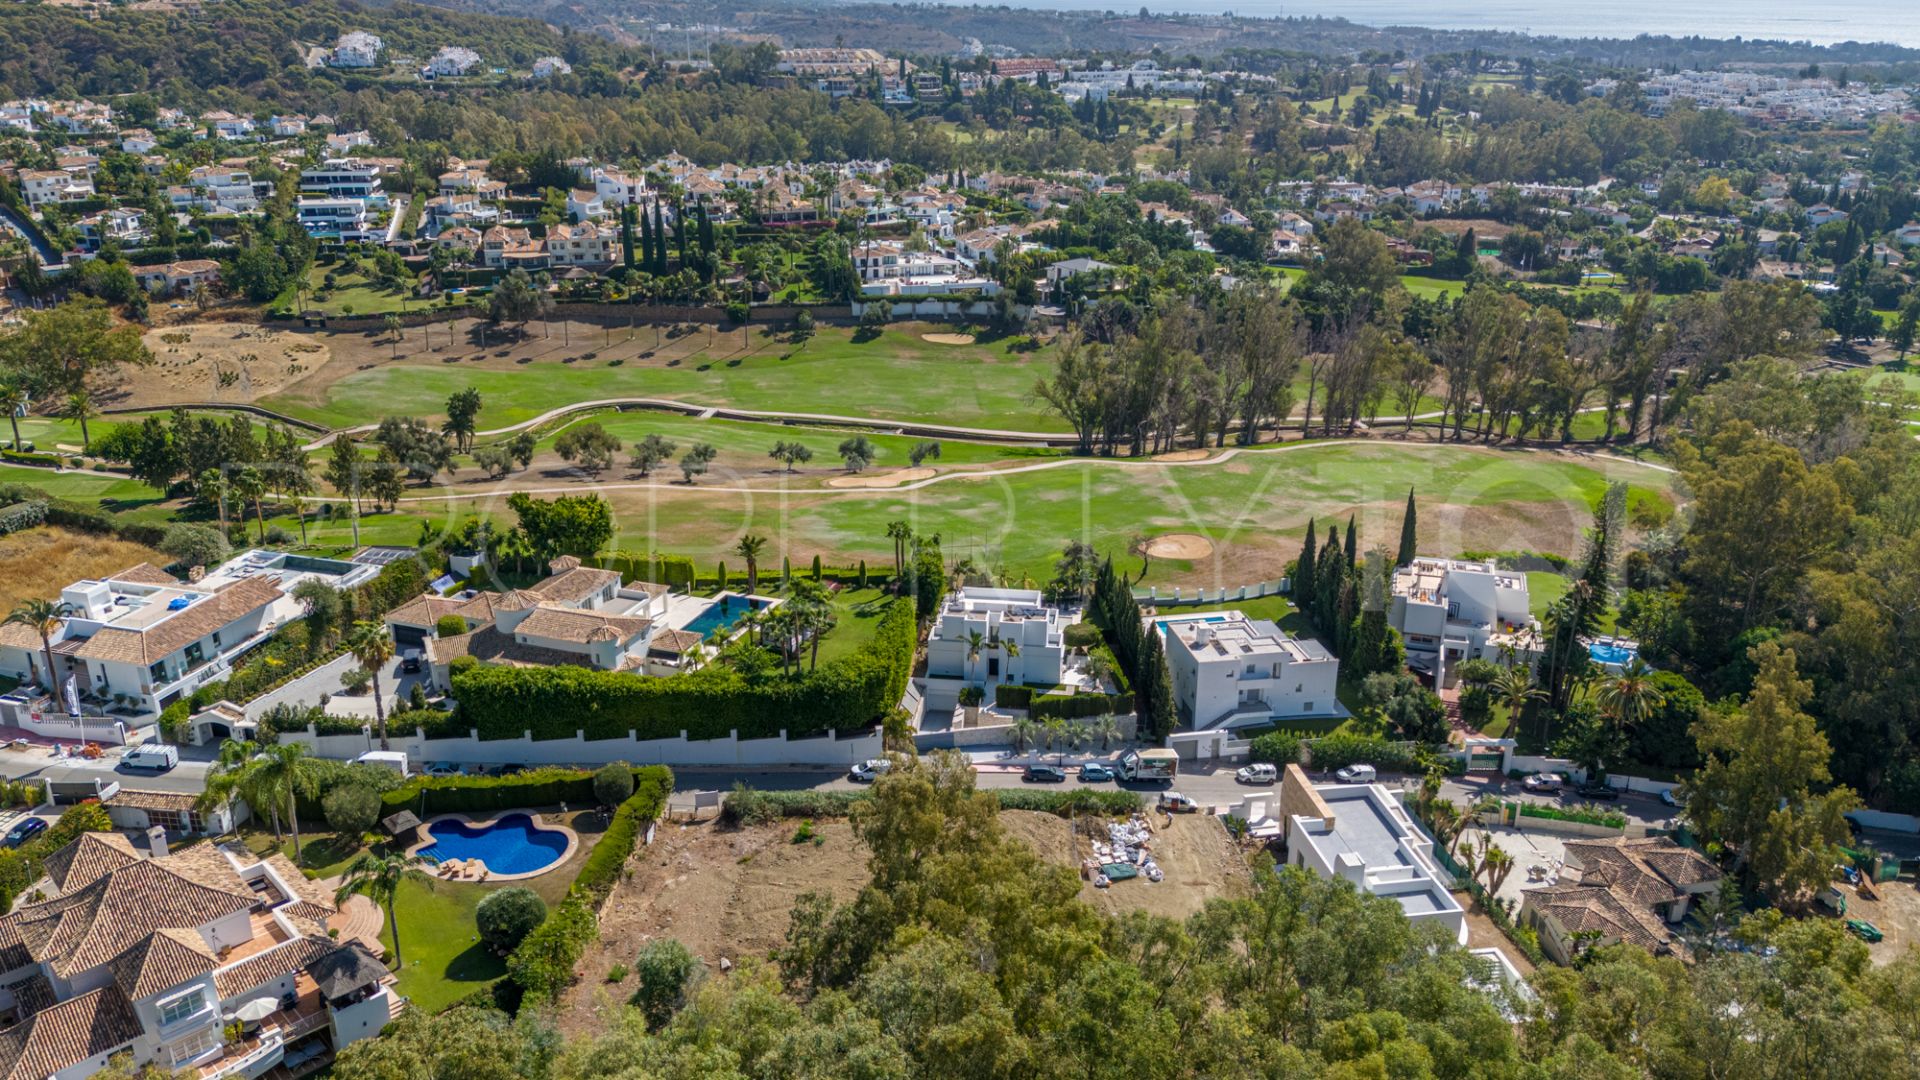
(22,515)
(554,702)
(71,515)
(652,784)
(1340,749)
(1611,819)
(1079,706)
(30,457)
(430,795)
(674,571)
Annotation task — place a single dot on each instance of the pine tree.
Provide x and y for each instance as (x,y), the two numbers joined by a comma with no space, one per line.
(1409,534)
(1301,586)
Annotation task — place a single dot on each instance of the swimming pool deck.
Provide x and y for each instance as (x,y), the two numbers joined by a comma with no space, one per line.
(426,830)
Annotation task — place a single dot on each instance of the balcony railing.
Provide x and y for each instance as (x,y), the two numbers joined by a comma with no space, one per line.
(257,1056)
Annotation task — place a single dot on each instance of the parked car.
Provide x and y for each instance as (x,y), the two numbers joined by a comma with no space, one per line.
(1600,792)
(24,831)
(1544,782)
(1095,773)
(442,768)
(1262,773)
(1043,774)
(410,661)
(508,770)
(869,770)
(1175,803)
(1672,799)
(1356,774)
(1864,930)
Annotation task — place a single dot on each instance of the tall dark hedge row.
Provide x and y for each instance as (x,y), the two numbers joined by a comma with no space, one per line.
(555,702)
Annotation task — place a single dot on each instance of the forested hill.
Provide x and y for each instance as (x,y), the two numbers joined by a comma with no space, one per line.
(237,50)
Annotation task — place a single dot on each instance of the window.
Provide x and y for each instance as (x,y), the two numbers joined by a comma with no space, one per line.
(993,667)
(177,1009)
(158,671)
(194,1045)
(195,655)
(216,639)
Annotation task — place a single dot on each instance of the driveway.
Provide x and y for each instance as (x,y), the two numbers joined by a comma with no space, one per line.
(306,690)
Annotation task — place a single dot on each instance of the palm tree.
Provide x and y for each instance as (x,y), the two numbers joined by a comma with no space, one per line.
(1025,733)
(15,399)
(392,326)
(79,408)
(1514,689)
(1104,728)
(1497,864)
(272,776)
(44,617)
(1055,730)
(370,645)
(1630,697)
(749,548)
(378,878)
(976,641)
(899,532)
(250,487)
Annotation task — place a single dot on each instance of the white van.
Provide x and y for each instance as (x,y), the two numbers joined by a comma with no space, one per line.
(155,757)
(1356,774)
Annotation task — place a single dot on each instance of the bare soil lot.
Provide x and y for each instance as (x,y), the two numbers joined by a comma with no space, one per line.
(221,361)
(728,893)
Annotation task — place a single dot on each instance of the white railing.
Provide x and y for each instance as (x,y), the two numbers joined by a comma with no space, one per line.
(272,1047)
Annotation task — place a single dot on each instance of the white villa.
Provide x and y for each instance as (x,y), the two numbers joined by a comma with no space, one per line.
(1449,610)
(579,615)
(357,49)
(452,60)
(1360,832)
(1036,629)
(1233,671)
(548,66)
(1616,889)
(141,639)
(150,954)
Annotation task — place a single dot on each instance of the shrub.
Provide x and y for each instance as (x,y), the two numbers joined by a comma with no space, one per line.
(1082,635)
(351,809)
(1078,706)
(1341,749)
(1275,748)
(617,973)
(668,974)
(506,917)
(543,963)
(745,806)
(613,783)
(653,784)
(449,626)
(354,680)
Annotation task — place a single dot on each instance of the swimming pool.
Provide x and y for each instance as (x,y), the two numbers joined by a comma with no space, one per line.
(510,845)
(726,610)
(1609,654)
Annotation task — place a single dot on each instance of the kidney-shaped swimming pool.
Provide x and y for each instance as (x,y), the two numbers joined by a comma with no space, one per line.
(512,844)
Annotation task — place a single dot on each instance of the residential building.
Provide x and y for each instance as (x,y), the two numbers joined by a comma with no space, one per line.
(1035,629)
(138,141)
(451,60)
(1821,214)
(1450,610)
(178,278)
(548,66)
(126,228)
(287,126)
(344,141)
(831,61)
(1361,833)
(344,220)
(585,244)
(225,125)
(501,246)
(1232,671)
(356,49)
(343,178)
(44,187)
(1633,890)
(585,205)
(141,639)
(150,956)
(578,615)
(221,188)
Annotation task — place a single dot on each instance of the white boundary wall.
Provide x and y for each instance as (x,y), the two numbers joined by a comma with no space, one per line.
(828,749)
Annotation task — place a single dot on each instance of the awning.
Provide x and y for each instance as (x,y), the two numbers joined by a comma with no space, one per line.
(403,821)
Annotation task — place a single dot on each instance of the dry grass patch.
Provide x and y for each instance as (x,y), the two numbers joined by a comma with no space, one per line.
(38,562)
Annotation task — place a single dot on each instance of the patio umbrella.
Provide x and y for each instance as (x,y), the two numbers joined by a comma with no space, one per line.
(256,1010)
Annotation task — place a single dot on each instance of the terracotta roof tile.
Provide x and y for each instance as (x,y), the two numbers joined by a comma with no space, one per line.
(567,624)
(96,923)
(66,1034)
(575,583)
(490,646)
(88,859)
(162,960)
(261,968)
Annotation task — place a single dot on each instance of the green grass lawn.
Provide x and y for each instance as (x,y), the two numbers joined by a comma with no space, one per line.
(896,375)
(857,612)
(353,294)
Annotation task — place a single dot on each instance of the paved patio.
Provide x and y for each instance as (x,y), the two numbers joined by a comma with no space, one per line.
(1529,849)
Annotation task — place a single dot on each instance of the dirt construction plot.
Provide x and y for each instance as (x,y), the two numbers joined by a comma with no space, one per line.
(224,362)
(729,893)
(1896,913)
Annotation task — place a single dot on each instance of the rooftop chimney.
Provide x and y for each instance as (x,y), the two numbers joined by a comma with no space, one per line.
(157,842)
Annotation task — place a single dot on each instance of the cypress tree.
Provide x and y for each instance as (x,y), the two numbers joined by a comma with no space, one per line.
(816,569)
(659,240)
(1326,582)
(680,234)
(786,572)
(1352,550)
(1345,614)
(1409,531)
(1301,587)
(626,237)
(706,231)
(723,576)
(861,581)
(1158,712)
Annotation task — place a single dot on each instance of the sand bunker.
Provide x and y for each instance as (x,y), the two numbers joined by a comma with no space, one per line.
(1179,546)
(881,480)
(948,339)
(1185,455)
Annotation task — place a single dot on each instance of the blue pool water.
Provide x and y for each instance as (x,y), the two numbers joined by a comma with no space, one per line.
(510,845)
(723,613)
(1615,655)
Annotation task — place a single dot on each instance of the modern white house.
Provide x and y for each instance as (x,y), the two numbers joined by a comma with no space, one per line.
(548,66)
(451,60)
(1232,671)
(343,178)
(345,220)
(1036,630)
(1360,832)
(136,641)
(152,954)
(1450,610)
